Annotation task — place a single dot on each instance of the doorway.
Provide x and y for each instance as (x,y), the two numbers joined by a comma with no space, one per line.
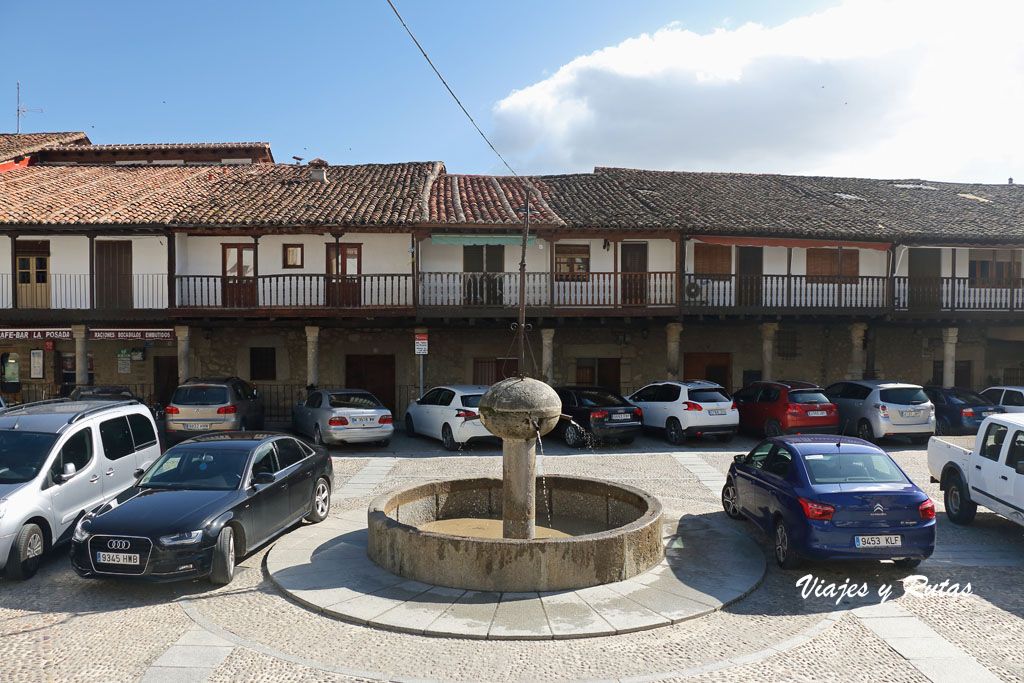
(924,279)
(375,373)
(714,367)
(599,372)
(483,266)
(165,378)
(32,259)
(634,273)
(487,371)
(344,266)
(113,275)
(239,288)
(749,276)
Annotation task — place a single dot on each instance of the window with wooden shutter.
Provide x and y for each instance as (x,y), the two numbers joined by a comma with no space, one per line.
(572,262)
(712,259)
(833,265)
(994,268)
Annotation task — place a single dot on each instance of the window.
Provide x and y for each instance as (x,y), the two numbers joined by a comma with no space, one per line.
(787,343)
(117,438)
(1013,397)
(265,460)
(292,256)
(288,452)
(601,372)
(668,393)
(142,430)
(769,394)
(993,395)
(77,450)
(263,363)
(1016,452)
(315,400)
(778,462)
(712,259)
(572,262)
(994,267)
(833,265)
(757,456)
(993,442)
(647,394)
(430,398)
(445,397)
(10,373)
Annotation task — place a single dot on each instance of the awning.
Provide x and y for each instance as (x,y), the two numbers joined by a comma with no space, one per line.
(481,239)
(784,242)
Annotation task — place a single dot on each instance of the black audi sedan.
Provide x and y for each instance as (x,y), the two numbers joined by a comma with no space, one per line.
(203,503)
(596,413)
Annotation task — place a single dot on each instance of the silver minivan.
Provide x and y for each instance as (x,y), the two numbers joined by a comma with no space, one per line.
(874,408)
(58,460)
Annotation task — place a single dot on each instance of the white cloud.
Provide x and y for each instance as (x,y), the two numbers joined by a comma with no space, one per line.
(879,88)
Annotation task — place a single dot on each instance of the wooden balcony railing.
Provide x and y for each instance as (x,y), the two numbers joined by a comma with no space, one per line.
(785,292)
(357,292)
(70,291)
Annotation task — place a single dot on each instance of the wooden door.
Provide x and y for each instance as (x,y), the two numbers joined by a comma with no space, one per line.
(165,378)
(374,373)
(924,279)
(715,367)
(487,371)
(634,274)
(344,266)
(113,275)
(749,276)
(238,288)
(483,266)
(32,260)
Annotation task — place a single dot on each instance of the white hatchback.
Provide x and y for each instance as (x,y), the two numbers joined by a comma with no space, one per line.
(448,413)
(688,408)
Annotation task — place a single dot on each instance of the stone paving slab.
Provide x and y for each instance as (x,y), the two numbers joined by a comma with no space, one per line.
(707,566)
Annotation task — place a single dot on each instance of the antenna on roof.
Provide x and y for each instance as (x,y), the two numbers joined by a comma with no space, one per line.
(22,110)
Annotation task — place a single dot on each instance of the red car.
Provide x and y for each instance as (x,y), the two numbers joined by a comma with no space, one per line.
(786,407)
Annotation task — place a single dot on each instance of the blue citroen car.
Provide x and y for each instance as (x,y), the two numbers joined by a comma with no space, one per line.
(831,498)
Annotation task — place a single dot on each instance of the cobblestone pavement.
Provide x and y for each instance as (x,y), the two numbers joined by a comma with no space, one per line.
(58,627)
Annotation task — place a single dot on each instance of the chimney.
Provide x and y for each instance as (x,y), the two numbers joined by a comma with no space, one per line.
(1010,181)
(318,170)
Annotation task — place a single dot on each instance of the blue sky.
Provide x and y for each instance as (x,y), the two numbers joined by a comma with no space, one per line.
(342,81)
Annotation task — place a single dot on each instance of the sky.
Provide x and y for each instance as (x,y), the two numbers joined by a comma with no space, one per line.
(869,88)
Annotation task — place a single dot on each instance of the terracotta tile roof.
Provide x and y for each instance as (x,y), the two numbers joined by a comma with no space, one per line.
(216,196)
(58,153)
(13,145)
(491,200)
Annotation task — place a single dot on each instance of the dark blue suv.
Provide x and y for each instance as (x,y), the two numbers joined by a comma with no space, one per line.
(831,498)
(960,411)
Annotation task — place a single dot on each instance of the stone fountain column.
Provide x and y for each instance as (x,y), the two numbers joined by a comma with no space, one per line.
(518,410)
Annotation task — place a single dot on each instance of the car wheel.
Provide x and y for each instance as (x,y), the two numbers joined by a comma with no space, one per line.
(224,557)
(959,508)
(772,428)
(448,439)
(906,563)
(942,427)
(674,432)
(864,431)
(26,553)
(730,501)
(410,428)
(573,437)
(321,501)
(318,437)
(724,438)
(784,555)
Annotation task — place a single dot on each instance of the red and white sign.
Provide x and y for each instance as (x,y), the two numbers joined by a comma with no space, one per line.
(117,334)
(35,334)
(420,344)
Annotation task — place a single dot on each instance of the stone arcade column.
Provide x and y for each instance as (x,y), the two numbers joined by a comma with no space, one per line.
(81,355)
(856,370)
(768,331)
(184,355)
(949,339)
(672,334)
(547,339)
(312,356)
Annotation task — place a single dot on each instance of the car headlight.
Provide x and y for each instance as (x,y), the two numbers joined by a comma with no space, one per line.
(182,538)
(81,533)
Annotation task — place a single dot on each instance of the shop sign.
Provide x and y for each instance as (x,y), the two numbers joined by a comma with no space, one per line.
(36,333)
(117,334)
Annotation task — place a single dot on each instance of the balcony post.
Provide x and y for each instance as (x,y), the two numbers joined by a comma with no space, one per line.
(172,271)
(672,334)
(949,339)
(92,272)
(255,270)
(856,370)
(414,251)
(14,270)
(768,331)
(312,356)
(182,333)
(81,355)
(547,337)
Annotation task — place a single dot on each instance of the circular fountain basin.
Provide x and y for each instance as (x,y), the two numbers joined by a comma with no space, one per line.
(627,540)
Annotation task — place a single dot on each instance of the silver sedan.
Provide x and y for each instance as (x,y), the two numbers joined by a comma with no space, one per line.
(333,416)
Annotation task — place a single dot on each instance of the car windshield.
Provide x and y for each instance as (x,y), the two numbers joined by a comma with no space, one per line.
(707,396)
(905,396)
(197,466)
(807,396)
(200,395)
(352,399)
(850,468)
(471,400)
(595,397)
(23,454)
(968,398)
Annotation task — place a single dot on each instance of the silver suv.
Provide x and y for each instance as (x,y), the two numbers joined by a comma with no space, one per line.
(58,460)
(873,408)
(206,405)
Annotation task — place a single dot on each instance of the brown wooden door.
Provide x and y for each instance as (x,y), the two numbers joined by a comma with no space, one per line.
(165,378)
(749,276)
(113,275)
(714,367)
(634,274)
(483,266)
(344,266)
(599,372)
(374,373)
(487,371)
(32,261)
(238,289)
(924,279)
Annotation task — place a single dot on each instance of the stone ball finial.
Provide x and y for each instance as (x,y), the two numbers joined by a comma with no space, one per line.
(519,407)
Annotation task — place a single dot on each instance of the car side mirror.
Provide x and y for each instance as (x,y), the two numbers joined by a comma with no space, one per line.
(1020,467)
(264,478)
(738,458)
(139,472)
(419,401)
(69,471)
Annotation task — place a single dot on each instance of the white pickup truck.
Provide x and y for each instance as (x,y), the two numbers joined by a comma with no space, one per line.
(992,474)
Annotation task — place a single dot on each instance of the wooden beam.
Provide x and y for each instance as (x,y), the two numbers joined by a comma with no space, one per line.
(172,271)
(92,271)
(14,270)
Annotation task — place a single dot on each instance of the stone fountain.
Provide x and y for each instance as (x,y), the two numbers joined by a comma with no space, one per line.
(603,532)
